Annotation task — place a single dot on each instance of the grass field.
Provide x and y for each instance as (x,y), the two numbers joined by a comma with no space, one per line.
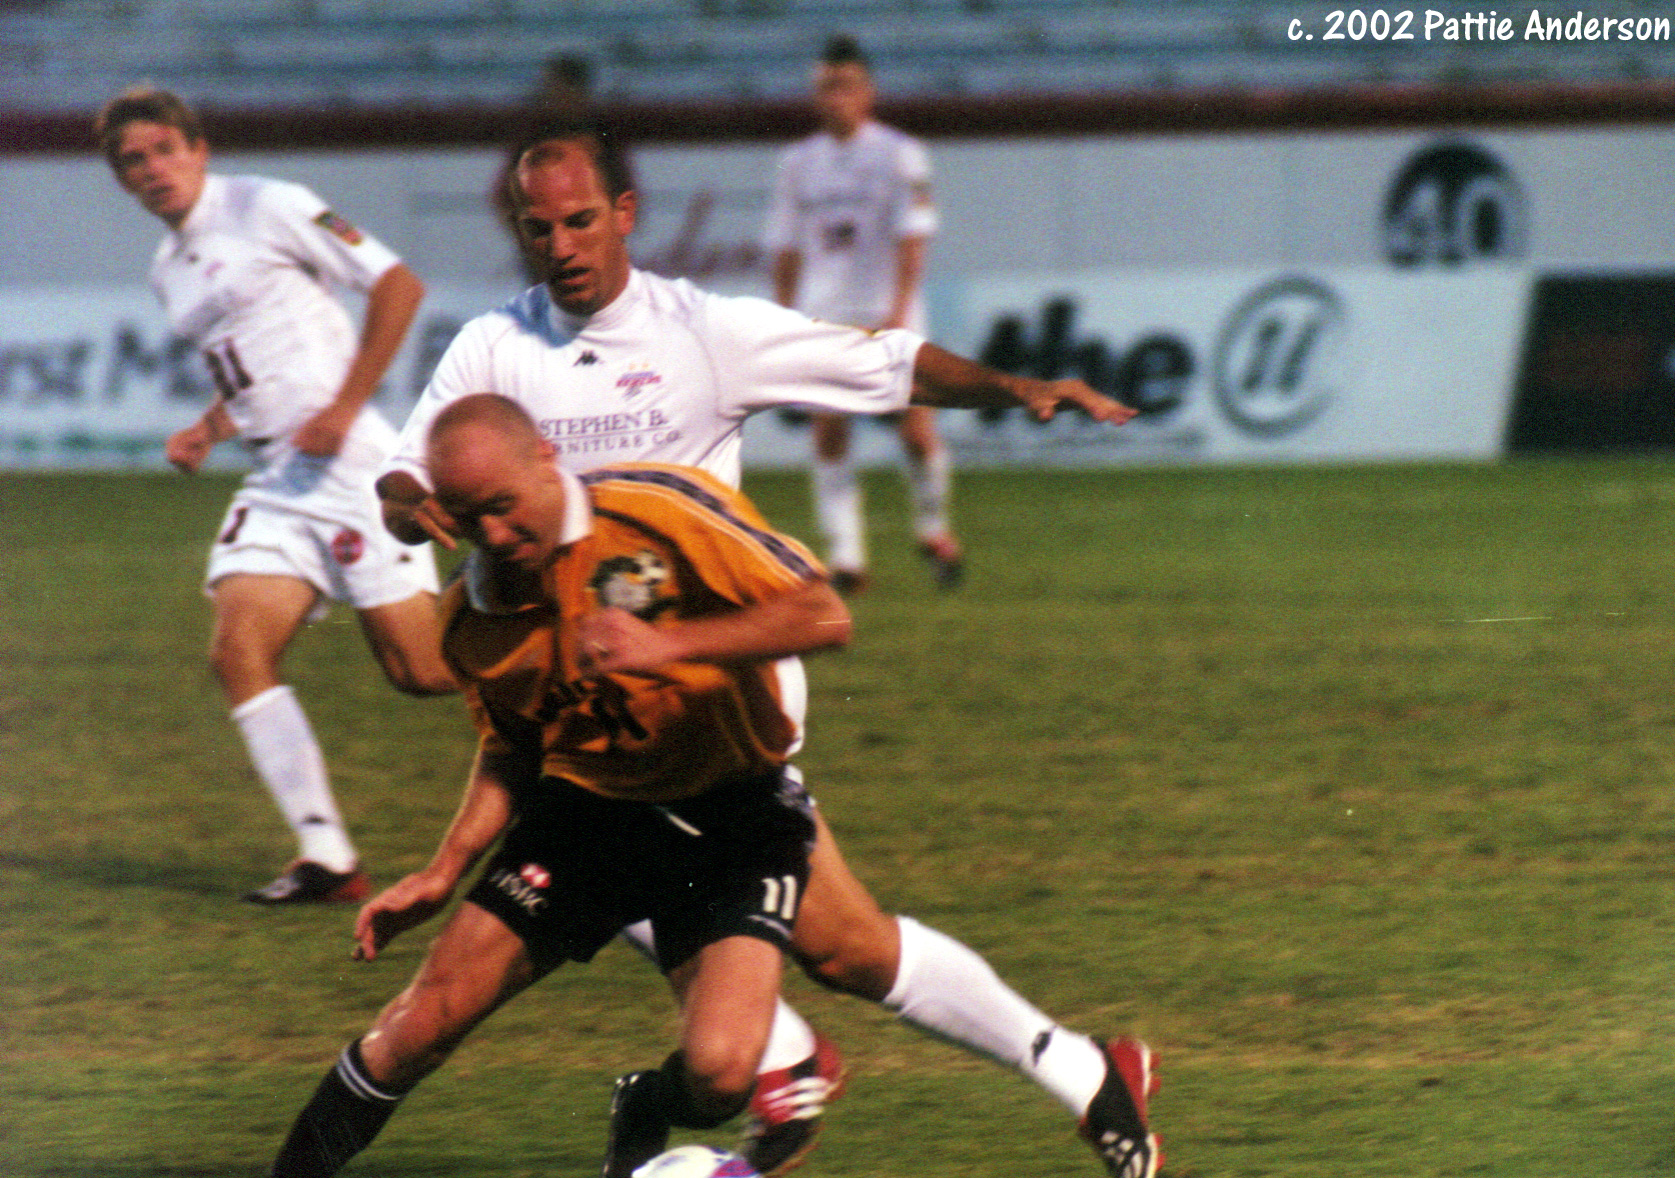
(1350,789)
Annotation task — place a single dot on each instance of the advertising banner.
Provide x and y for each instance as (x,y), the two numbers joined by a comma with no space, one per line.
(1225,366)
(1240,366)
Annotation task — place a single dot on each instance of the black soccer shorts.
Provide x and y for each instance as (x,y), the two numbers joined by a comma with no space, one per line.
(577,868)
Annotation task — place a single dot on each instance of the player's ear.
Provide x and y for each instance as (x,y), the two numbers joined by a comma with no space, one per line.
(626,208)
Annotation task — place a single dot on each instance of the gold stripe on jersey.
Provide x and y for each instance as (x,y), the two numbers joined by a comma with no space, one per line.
(653,489)
(667,543)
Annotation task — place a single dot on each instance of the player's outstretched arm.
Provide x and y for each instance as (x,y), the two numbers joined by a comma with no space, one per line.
(483,814)
(809,618)
(947,381)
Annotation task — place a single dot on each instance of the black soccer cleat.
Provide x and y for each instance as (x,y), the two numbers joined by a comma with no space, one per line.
(850,582)
(307,882)
(1116,1124)
(639,1125)
(947,560)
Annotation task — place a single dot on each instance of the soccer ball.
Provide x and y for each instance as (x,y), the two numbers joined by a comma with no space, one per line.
(697,1161)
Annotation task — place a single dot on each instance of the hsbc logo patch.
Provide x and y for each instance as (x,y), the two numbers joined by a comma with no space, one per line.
(524,886)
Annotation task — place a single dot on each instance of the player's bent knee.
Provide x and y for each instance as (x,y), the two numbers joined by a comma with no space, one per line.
(722,1079)
(870,977)
(421,683)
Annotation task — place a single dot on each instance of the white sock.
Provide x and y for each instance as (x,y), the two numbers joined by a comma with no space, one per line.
(944,988)
(929,484)
(288,760)
(837,508)
(790,1039)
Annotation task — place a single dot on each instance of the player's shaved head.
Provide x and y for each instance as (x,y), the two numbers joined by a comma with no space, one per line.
(552,140)
(484,415)
(495,478)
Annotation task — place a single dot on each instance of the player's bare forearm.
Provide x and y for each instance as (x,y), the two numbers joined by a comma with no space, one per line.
(788,269)
(947,381)
(483,814)
(802,621)
(390,307)
(411,513)
(910,273)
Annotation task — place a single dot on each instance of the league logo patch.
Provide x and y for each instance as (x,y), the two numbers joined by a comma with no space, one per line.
(631,583)
(338,227)
(348,546)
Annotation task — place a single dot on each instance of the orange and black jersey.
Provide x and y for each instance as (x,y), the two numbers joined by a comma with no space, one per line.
(665,543)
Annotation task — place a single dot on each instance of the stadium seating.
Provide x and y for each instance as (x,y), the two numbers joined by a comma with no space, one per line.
(61,55)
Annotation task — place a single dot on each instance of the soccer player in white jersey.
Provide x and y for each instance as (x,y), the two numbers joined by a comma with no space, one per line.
(242,274)
(617,364)
(849,223)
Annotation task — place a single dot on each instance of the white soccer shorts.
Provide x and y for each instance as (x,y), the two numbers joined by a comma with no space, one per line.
(335,541)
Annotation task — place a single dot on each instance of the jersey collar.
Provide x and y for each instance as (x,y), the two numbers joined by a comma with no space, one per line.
(209,199)
(535,312)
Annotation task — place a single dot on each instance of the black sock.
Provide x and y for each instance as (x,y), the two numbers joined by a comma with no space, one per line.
(345,1113)
(677,1099)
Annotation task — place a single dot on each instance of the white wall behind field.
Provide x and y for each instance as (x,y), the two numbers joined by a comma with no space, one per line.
(1594,198)
(1206,221)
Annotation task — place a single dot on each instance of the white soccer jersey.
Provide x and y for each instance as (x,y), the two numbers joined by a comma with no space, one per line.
(245,279)
(844,206)
(666,373)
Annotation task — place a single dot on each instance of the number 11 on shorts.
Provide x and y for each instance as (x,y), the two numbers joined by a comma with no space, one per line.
(779,897)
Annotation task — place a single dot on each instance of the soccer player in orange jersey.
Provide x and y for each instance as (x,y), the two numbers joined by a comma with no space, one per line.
(616,634)
(616,652)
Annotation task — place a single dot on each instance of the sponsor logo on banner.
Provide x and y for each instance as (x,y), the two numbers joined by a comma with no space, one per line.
(1453,203)
(1273,370)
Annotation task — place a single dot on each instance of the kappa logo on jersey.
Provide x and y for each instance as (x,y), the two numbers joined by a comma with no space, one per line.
(631,583)
(348,546)
(585,359)
(633,382)
(338,227)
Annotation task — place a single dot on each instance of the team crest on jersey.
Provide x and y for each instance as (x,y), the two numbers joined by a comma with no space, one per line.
(348,546)
(631,583)
(338,227)
(633,382)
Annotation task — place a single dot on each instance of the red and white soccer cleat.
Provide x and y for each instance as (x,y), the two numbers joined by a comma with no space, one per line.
(787,1107)
(1116,1123)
